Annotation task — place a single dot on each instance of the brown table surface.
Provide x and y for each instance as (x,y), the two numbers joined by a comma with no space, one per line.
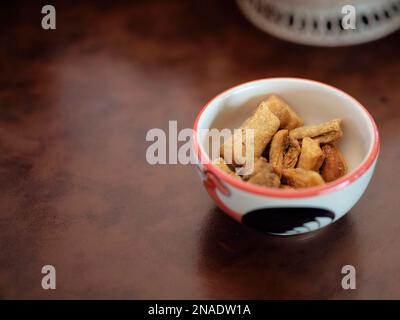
(76,191)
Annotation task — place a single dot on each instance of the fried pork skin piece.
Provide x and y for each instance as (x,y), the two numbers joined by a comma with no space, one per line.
(264,123)
(279,144)
(300,178)
(311,156)
(292,154)
(334,165)
(286,115)
(264,174)
(284,186)
(220,163)
(284,151)
(326,132)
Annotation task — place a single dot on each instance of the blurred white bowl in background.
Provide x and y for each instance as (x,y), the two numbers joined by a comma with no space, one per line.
(318,22)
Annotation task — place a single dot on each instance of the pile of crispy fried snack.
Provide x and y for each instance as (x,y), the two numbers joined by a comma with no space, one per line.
(287,154)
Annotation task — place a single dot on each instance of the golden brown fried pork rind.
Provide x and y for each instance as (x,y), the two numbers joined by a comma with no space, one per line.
(292,154)
(264,174)
(311,156)
(330,137)
(287,116)
(300,178)
(326,132)
(285,186)
(220,163)
(284,151)
(334,165)
(264,123)
(278,147)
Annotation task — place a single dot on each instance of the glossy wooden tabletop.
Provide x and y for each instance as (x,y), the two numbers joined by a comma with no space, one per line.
(77,193)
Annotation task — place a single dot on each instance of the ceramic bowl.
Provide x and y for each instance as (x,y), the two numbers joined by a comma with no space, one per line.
(319,22)
(280,211)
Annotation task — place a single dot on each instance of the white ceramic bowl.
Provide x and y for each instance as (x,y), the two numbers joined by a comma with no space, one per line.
(280,211)
(318,22)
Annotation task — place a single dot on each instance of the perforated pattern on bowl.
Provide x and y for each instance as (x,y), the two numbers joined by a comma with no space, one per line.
(320,24)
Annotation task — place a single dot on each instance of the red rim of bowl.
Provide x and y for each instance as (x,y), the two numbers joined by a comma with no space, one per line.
(301,193)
